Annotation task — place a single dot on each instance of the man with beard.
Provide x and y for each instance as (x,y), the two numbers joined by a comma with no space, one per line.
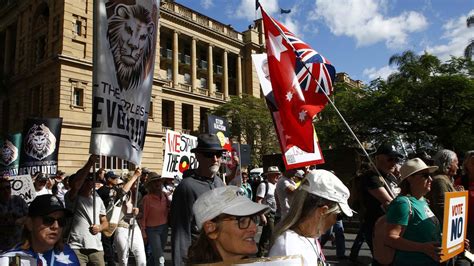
(195,182)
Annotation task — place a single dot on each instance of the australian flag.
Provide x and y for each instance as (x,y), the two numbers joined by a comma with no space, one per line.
(301,82)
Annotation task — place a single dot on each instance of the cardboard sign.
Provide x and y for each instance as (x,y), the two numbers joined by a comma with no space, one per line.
(178,156)
(455,223)
(22,185)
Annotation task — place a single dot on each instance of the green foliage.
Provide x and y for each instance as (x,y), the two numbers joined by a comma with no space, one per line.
(426,101)
(250,122)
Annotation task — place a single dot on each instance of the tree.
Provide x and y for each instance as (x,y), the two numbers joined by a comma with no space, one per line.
(250,121)
(426,101)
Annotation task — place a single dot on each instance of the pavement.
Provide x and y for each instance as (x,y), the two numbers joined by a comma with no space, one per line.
(329,251)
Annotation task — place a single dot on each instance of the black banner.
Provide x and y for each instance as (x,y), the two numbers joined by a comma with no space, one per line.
(10,154)
(40,148)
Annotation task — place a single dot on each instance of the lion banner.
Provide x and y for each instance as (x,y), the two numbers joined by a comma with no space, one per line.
(124,45)
(10,154)
(40,147)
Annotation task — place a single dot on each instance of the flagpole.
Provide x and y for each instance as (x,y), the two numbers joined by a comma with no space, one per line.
(95,55)
(329,100)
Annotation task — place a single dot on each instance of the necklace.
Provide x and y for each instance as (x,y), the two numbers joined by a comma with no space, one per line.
(318,254)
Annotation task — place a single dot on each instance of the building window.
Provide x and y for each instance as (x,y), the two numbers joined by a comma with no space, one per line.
(169,74)
(78,27)
(203,83)
(187,117)
(150,111)
(203,126)
(187,78)
(78,97)
(167,112)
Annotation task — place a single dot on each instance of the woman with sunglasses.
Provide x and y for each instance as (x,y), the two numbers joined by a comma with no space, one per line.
(412,228)
(316,205)
(43,236)
(227,220)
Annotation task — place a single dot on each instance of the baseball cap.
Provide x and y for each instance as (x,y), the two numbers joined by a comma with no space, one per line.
(111,174)
(46,204)
(224,200)
(413,166)
(388,150)
(299,174)
(326,185)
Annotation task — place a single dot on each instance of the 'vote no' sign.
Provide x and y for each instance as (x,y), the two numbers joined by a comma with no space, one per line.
(455,223)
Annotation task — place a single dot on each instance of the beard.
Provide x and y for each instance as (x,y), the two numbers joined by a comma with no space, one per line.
(214,169)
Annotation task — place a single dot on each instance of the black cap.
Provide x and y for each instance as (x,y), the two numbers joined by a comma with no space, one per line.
(46,204)
(389,150)
(208,143)
(41,177)
(145,171)
(111,174)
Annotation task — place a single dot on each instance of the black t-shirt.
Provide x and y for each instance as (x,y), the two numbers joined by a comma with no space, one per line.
(107,194)
(369,181)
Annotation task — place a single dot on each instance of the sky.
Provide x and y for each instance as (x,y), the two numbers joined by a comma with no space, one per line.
(359,36)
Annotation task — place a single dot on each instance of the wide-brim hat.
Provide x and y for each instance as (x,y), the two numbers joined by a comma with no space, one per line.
(413,166)
(208,143)
(46,204)
(325,184)
(224,200)
(152,177)
(389,150)
(272,170)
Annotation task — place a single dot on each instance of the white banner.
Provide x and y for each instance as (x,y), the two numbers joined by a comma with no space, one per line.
(178,156)
(22,185)
(124,53)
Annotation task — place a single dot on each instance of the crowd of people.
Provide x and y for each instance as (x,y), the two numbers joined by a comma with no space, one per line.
(101,218)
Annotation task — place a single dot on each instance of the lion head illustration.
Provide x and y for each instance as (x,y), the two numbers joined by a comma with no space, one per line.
(40,142)
(130,34)
(9,153)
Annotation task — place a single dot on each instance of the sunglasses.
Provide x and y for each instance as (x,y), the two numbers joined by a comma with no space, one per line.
(49,221)
(425,175)
(244,221)
(212,154)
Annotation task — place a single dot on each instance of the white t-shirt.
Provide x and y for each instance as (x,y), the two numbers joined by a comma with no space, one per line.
(290,243)
(43,191)
(269,198)
(283,196)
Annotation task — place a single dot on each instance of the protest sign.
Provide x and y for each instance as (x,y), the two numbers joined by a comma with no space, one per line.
(219,127)
(293,156)
(22,185)
(178,156)
(40,148)
(124,60)
(10,154)
(455,223)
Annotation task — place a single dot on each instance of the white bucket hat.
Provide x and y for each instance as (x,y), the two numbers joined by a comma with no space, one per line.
(326,185)
(413,166)
(224,200)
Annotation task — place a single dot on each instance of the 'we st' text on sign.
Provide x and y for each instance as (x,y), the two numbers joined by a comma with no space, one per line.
(455,223)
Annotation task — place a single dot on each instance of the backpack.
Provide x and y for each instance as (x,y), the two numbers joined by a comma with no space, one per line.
(382,253)
(266,189)
(355,198)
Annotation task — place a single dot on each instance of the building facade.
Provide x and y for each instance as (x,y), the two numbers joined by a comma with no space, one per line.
(46,71)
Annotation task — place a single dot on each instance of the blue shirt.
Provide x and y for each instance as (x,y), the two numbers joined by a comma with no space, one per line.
(49,258)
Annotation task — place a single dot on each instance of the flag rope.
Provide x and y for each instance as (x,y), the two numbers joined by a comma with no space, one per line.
(330,101)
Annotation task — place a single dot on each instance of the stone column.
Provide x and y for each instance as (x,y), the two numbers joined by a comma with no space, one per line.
(175,59)
(210,71)
(239,75)
(193,65)
(225,79)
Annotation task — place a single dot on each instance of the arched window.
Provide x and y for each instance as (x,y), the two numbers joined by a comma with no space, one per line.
(40,33)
